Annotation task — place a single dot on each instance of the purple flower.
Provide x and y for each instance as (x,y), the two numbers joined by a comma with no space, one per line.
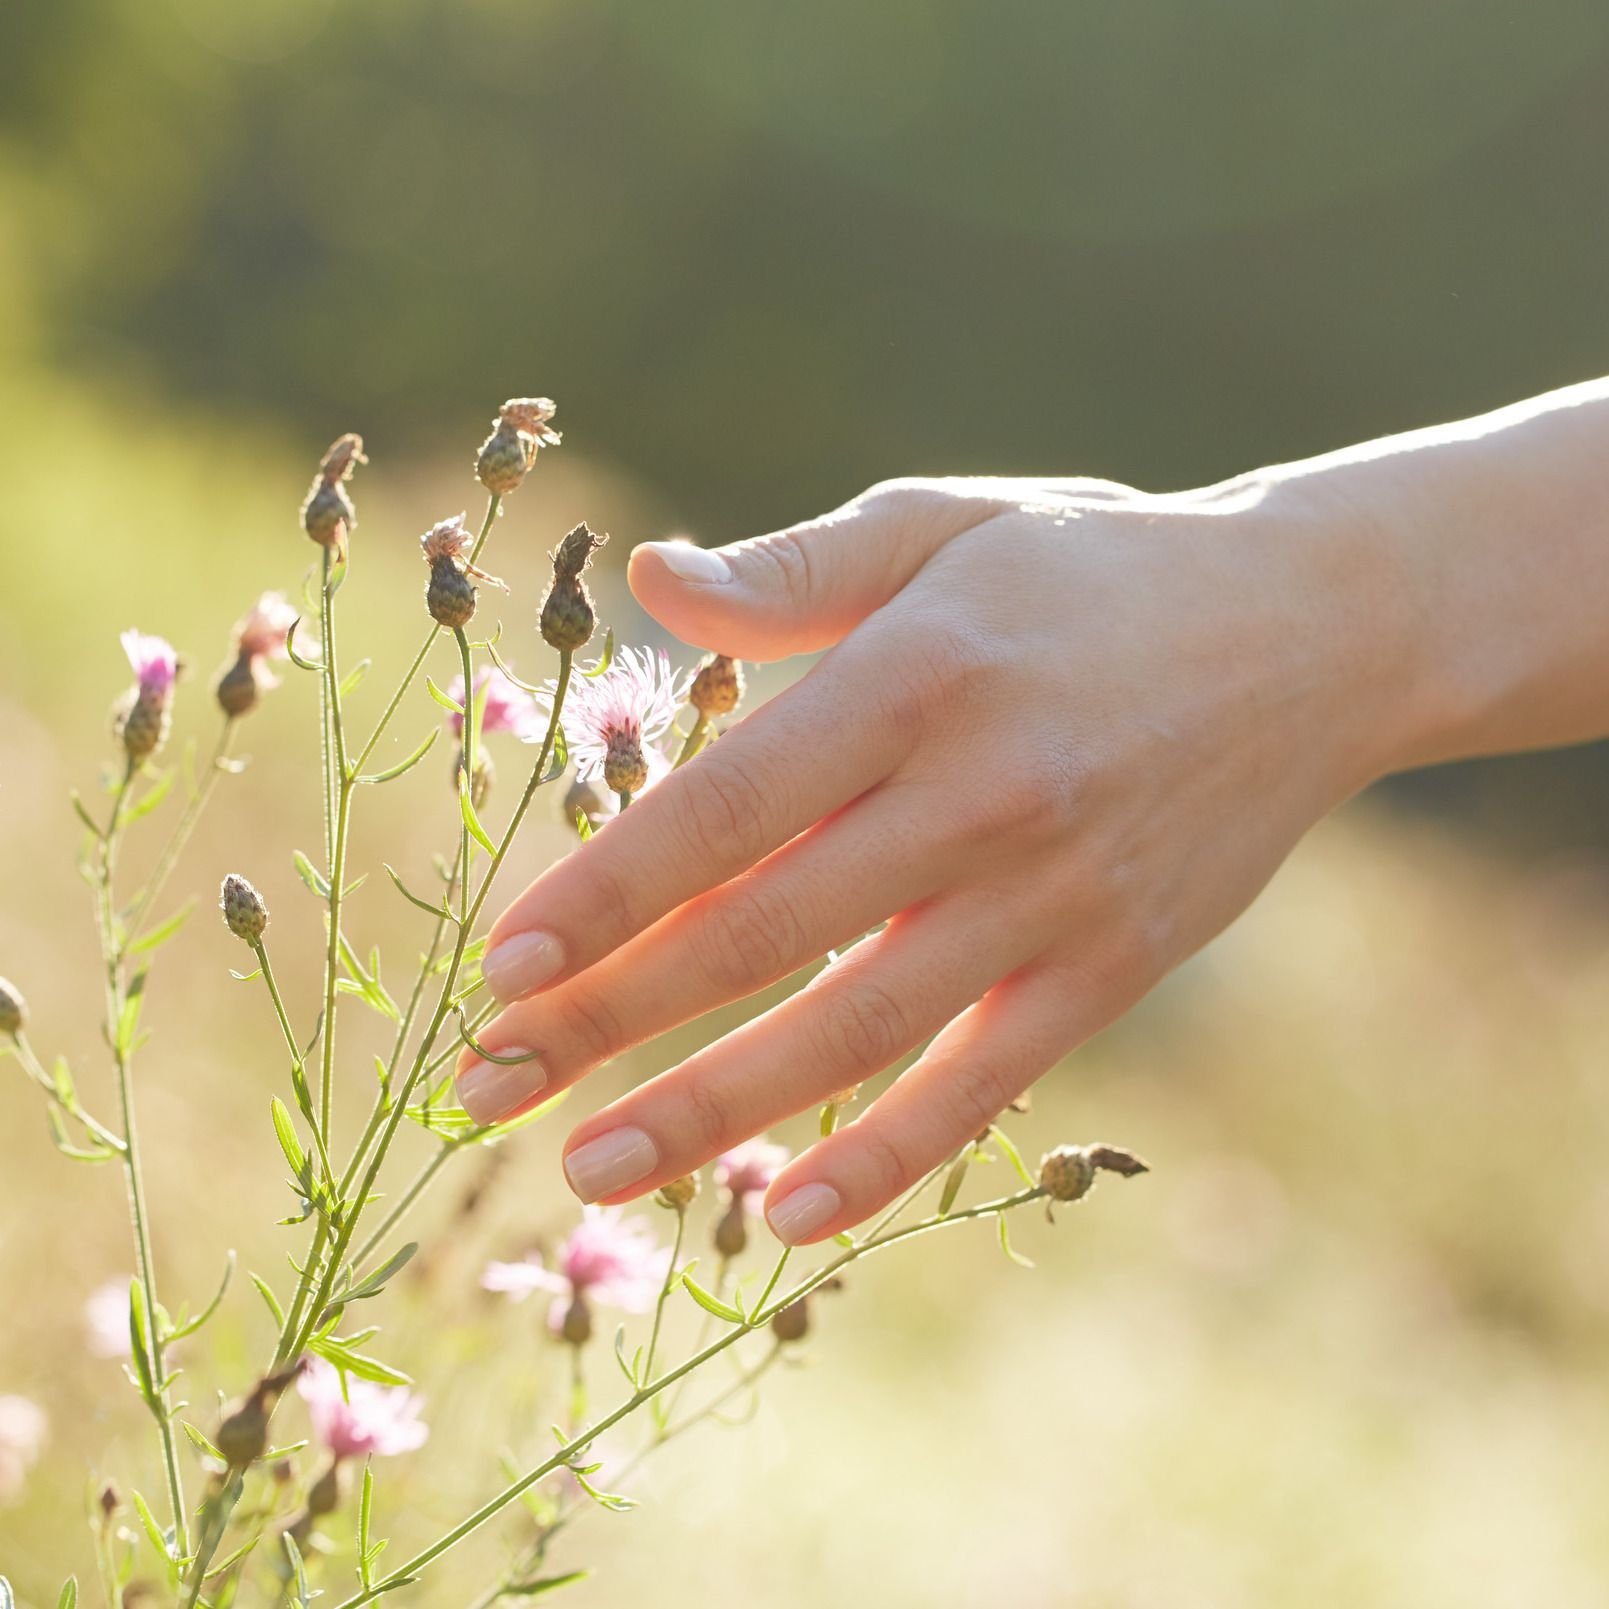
(748,1169)
(628,708)
(366,1418)
(106,1317)
(155,663)
(607,1257)
(22,1436)
(263,633)
(508,708)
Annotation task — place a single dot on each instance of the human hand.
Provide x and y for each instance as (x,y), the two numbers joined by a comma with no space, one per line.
(1063,734)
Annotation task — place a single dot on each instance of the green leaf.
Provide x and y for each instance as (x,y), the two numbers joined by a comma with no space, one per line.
(295,657)
(245,977)
(366,1553)
(626,1368)
(377,1281)
(201,1441)
(342,1354)
(160,1539)
(82,812)
(605,659)
(545,1584)
(1012,1155)
(268,1296)
(285,1131)
(298,1584)
(413,899)
(212,1307)
(402,765)
(158,792)
(159,936)
(583,827)
(844,1238)
(466,809)
(953,1181)
(140,1341)
(613,1501)
(502,665)
(710,1303)
(68,1598)
(311,875)
(128,1021)
(354,677)
(441,698)
(63,1143)
(1006,1246)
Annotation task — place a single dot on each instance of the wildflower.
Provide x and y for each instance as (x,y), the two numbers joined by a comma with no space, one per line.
(744,1172)
(1068,1172)
(568,618)
(717,688)
(449,596)
(606,1258)
(244,912)
(23,1427)
(327,511)
(612,721)
(363,1419)
(144,714)
(13,1008)
(106,1318)
(519,431)
(261,636)
(679,1194)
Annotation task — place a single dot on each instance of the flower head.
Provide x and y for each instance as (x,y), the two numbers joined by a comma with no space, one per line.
(519,431)
(264,632)
(747,1170)
(508,707)
(244,913)
(106,1318)
(607,1257)
(13,1008)
(23,1427)
(327,511)
(365,1418)
(156,665)
(612,721)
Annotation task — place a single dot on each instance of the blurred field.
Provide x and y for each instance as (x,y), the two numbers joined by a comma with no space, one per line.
(1346,1345)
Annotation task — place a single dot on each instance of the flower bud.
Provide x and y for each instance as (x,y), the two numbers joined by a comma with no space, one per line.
(13,1008)
(792,1323)
(577,1325)
(732,1232)
(237,689)
(717,689)
(625,767)
(244,912)
(1068,1172)
(243,1436)
(678,1194)
(283,1472)
(109,1501)
(325,1494)
(450,595)
(327,511)
(142,721)
(506,456)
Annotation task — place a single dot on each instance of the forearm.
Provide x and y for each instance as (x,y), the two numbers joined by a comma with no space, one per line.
(1494,534)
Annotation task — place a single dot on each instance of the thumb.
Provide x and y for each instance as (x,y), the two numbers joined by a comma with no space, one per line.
(806,587)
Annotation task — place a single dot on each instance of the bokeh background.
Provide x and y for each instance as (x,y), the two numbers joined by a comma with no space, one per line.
(1347,1345)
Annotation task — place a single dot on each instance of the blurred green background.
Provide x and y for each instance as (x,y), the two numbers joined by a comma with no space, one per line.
(1347,1345)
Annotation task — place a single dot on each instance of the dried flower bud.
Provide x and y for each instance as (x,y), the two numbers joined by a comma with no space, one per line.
(1068,1172)
(109,1500)
(577,1325)
(244,912)
(325,1494)
(568,619)
(243,1435)
(678,1194)
(792,1323)
(625,766)
(717,689)
(732,1232)
(574,553)
(13,1008)
(327,511)
(506,456)
(450,596)
(240,686)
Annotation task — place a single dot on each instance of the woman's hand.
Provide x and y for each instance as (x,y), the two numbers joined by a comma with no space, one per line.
(1063,734)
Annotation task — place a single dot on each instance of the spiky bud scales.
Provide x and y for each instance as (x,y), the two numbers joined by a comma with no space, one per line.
(450,595)
(519,431)
(568,618)
(717,689)
(678,1194)
(244,912)
(1068,1173)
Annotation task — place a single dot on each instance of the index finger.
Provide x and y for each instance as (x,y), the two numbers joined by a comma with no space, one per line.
(809,751)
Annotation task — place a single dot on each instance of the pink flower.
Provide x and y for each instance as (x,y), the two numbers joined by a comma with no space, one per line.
(22,1436)
(452,539)
(106,1317)
(366,1418)
(155,663)
(508,708)
(748,1169)
(262,634)
(608,1257)
(629,707)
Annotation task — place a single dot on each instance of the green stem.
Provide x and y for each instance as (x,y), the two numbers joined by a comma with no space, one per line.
(421,1182)
(174,847)
(760,1317)
(139,1214)
(664,1292)
(695,739)
(35,1070)
(289,1035)
(343,821)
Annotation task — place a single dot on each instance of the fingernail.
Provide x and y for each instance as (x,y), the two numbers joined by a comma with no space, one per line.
(803,1211)
(610,1163)
(689,562)
(521,964)
(490,1090)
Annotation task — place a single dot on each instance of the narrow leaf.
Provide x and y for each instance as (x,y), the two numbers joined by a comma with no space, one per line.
(1006,1246)
(414,899)
(441,698)
(355,676)
(711,1303)
(401,766)
(160,935)
(377,1281)
(152,799)
(311,875)
(606,658)
(466,809)
(285,1130)
(68,1598)
(1013,1156)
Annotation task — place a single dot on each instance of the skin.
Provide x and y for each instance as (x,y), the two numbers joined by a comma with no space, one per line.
(1062,735)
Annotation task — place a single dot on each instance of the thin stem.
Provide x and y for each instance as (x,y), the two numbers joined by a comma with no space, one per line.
(761,1316)
(289,1035)
(343,821)
(695,739)
(421,1182)
(664,1292)
(116,999)
(174,847)
(425,647)
(35,1070)
(625,798)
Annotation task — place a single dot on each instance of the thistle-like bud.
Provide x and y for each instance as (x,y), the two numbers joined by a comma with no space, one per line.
(625,766)
(13,1008)
(239,687)
(520,429)
(792,1323)
(244,912)
(576,1327)
(450,596)
(325,1494)
(732,1232)
(1068,1172)
(143,720)
(678,1194)
(327,511)
(243,1436)
(717,689)
(568,618)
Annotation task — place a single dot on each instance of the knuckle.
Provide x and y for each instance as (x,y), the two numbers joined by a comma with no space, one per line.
(724,817)
(861,1028)
(786,559)
(705,1118)
(970,1099)
(747,939)
(886,1155)
(590,1026)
